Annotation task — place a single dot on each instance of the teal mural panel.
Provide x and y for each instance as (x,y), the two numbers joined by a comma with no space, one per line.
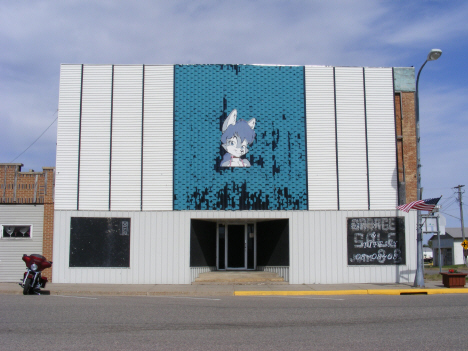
(260,110)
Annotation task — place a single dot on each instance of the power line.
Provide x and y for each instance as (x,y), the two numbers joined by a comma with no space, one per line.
(447,206)
(445,213)
(50,125)
(449,198)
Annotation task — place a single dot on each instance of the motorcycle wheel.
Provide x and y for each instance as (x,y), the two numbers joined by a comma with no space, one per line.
(27,286)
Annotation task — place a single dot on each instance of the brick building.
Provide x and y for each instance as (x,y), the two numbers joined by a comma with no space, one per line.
(166,171)
(26,217)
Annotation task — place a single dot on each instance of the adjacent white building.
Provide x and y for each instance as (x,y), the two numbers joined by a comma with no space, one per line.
(451,249)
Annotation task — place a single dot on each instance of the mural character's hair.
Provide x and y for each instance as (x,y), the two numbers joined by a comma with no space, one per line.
(241,129)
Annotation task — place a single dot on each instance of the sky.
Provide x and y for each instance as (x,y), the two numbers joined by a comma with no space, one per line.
(37,36)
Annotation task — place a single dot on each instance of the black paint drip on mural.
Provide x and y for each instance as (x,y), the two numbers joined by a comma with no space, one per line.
(257,161)
(222,117)
(237,197)
(198,199)
(275,135)
(285,200)
(236,68)
(275,169)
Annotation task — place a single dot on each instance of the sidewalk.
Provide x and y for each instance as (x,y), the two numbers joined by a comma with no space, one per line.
(432,287)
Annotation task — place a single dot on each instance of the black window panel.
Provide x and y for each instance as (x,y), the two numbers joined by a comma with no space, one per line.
(99,242)
(202,243)
(273,243)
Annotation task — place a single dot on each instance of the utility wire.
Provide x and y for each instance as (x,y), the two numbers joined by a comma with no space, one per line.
(445,213)
(448,200)
(50,125)
(446,207)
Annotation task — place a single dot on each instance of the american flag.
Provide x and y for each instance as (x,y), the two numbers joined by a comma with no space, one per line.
(423,205)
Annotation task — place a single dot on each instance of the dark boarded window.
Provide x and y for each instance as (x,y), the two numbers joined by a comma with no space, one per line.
(202,243)
(376,241)
(273,243)
(99,242)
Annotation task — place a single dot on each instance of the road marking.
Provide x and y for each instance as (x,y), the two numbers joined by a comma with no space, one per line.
(314,298)
(191,298)
(78,297)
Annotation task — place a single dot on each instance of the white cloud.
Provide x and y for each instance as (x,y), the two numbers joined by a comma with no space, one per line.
(37,36)
(429,22)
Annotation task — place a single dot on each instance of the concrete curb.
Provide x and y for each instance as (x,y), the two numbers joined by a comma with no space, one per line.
(354,292)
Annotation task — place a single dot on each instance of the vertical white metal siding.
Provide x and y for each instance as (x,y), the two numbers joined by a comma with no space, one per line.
(126,138)
(321,139)
(383,186)
(158,143)
(160,247)
(68,126)
(325,251)
(283,272)
(196,271)
(95,137)
(159,250)
(351,132)
(12,266)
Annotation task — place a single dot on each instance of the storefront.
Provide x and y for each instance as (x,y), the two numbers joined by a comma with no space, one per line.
(164,172)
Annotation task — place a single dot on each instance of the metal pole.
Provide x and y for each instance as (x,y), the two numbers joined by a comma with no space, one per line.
(438,240)
(419,277)
(461,217)
(434,54)
(461,210)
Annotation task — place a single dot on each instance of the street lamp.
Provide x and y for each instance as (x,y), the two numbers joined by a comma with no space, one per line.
(419,278)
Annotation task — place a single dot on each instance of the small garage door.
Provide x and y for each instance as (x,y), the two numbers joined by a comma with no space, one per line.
(21,233)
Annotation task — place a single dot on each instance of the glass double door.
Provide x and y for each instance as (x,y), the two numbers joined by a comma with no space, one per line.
(236,246)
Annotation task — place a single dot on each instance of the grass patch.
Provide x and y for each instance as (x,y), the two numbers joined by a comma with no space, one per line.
(433,277)
(453,266)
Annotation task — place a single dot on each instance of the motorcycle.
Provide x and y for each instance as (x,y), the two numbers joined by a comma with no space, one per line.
(32,279)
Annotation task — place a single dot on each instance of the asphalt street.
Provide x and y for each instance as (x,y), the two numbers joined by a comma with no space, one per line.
(419,322)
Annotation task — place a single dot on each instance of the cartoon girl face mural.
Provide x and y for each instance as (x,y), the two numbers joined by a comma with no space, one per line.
(237,135)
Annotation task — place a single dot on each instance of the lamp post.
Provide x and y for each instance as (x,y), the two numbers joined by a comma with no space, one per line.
(433,55)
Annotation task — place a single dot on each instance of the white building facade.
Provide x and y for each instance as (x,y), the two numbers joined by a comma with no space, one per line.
(166,171)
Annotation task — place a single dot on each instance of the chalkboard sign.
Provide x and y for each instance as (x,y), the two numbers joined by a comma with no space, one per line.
(376,241)
(99,242)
